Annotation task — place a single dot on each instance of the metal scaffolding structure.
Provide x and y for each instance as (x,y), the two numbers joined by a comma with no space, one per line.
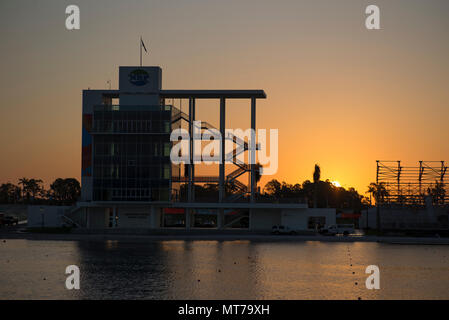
(241,190)
(412,185)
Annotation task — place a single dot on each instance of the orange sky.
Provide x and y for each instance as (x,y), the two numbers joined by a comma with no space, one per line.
(340,95)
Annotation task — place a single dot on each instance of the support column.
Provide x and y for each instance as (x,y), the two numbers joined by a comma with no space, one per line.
(115,217)
(253,150)
(188,214)
(221,186)
(220,218)
(420,177)
(190,171)
(377,197)
(152,217)
(192,154)
(250,218)
(87,218)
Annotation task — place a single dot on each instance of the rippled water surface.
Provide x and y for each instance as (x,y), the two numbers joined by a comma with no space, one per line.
(221,270)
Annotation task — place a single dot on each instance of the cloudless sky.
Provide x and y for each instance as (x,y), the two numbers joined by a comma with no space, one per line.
(341,96)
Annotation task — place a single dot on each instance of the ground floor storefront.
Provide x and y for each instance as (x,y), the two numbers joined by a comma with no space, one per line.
(254,217)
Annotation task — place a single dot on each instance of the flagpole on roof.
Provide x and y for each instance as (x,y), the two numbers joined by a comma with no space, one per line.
(142,45)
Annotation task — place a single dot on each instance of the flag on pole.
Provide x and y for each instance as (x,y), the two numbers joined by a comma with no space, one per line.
(143,45)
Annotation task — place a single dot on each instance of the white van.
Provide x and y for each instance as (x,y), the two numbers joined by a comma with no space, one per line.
(344,229)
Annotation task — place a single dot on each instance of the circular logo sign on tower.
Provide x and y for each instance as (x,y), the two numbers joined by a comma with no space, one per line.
(139,77)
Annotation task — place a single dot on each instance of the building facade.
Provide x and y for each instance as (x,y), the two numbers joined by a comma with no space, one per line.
(128,179)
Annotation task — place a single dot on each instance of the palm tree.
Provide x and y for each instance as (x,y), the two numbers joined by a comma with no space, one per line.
(30,188)
(316,180)
(380,192)
(25,190)
(438,193)
(35,187)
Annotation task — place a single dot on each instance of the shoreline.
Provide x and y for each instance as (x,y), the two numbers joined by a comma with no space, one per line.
(214,236)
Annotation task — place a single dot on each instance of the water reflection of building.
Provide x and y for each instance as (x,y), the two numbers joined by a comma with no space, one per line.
(168,270)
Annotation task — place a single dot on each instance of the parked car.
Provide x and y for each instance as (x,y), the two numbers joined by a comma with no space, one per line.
(8,220)
(334,229)
(282,230)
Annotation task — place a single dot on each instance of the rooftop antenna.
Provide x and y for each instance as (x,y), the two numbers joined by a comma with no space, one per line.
(142,45)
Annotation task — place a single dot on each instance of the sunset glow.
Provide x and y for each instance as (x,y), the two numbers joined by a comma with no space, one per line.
(203,153)
(337,92)
(336,183)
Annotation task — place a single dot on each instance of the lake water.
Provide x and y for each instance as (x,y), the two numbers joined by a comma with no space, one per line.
(222,270)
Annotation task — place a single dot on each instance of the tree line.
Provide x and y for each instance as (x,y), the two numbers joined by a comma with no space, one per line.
(32,191)
(316,193)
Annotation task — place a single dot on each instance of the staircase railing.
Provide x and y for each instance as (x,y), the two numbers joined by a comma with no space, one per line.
(232,177)
(71,216)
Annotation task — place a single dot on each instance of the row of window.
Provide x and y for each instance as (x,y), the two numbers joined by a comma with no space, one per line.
(131,164)
(154,115)
(133,138)
(129,182)
(155,149)
(142,172)
(131,194)
(132,126)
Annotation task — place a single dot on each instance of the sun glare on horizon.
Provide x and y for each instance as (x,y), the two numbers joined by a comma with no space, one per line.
(336,183)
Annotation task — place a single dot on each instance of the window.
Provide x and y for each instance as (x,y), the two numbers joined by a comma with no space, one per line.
(166,172)
(166,149)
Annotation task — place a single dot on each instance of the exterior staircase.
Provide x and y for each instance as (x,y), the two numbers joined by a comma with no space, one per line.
(73,217)
(231,178)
